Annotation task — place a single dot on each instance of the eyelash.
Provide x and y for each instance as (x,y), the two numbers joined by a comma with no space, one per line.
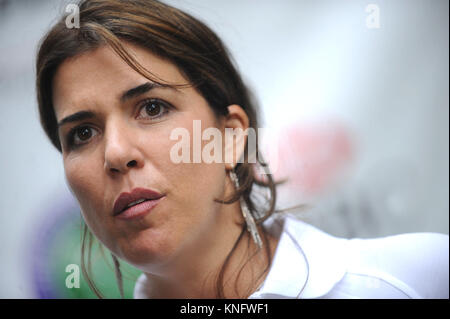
(162,103)
(72,133)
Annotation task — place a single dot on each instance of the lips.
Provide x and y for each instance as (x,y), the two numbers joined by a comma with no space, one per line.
(136,197)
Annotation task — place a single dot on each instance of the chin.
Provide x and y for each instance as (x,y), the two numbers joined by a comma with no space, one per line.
(145,253)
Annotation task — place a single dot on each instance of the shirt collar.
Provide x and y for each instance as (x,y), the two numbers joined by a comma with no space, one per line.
(307,262)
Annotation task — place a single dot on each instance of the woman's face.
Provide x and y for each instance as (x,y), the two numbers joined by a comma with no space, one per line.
(123,143)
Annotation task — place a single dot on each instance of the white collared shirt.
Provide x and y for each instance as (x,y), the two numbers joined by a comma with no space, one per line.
(309,263)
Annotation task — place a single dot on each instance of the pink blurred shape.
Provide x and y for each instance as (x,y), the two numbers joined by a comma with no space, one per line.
(312,155)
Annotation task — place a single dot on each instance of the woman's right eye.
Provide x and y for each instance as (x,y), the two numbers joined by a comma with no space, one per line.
(80,135)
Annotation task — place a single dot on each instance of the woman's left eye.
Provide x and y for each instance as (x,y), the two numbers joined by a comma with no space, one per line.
(153,109)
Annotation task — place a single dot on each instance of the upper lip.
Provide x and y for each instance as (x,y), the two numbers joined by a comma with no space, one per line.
(138,193)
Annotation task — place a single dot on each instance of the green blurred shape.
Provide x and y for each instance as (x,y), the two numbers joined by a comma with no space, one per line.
(66,249)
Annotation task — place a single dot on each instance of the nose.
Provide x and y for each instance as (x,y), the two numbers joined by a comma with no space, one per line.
(121,151)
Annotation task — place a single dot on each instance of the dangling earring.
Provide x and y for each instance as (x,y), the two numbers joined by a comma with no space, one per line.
(249,220)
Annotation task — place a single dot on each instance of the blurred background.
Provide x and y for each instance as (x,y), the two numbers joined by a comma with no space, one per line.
(355,91)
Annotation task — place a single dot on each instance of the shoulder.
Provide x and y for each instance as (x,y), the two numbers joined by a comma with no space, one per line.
(310,263)
(307,262)
(417,264)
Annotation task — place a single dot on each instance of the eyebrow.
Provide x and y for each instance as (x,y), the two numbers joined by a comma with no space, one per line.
(127,95)
(79,116)
(142,89)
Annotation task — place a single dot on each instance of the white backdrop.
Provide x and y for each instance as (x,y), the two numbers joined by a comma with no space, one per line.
(309,63)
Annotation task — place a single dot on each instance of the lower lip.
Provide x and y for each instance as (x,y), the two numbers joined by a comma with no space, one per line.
(139,210)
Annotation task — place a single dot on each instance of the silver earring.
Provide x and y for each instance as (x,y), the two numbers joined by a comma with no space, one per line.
(249,220)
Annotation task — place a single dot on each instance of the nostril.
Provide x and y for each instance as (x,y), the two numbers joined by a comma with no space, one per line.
(132,163)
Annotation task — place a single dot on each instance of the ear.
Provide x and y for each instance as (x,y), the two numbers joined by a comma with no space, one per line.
(236,124)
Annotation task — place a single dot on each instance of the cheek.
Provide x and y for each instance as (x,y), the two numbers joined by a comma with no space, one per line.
(195,186)
(192,187)
(199,182)
(193,213)
(78,178)
(84,183)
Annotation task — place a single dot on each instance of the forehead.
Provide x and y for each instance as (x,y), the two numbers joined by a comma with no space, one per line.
(101,76)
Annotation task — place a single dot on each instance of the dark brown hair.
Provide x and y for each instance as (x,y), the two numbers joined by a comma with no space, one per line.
(179,38)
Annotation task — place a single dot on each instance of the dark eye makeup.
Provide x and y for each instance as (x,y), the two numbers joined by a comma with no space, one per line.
(151,109)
